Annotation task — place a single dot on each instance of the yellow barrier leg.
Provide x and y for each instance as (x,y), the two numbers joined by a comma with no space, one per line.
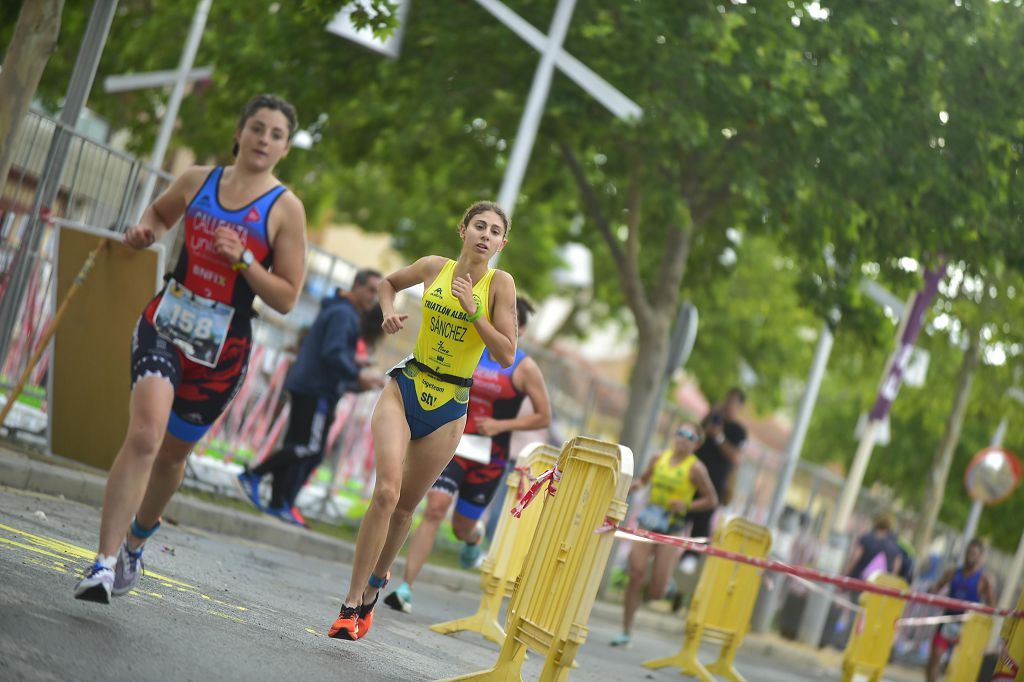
(970,650)
(484,621)
(1010,665)
(724,666)
(874,630)
(564,561)
(686,659)
(722,603)
(505,559)
(509,667)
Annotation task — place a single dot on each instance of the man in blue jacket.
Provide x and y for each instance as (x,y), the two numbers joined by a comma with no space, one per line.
(324,370)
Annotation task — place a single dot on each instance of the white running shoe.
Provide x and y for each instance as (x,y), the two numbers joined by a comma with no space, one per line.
(128,570)
(96,585)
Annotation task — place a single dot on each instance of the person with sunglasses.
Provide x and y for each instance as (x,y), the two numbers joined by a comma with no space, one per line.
(679,484)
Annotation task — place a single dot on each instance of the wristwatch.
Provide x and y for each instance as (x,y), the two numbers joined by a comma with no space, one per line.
(244,261)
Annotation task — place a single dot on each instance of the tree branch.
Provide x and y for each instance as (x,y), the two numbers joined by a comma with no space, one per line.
(591,205)
(626,264)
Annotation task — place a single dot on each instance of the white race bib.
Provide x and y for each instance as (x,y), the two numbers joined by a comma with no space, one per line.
(198,326)
(474,448)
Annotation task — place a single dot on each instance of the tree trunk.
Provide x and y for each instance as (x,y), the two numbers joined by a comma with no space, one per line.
(651,360)
(947,446)
(34,40)
(654,312)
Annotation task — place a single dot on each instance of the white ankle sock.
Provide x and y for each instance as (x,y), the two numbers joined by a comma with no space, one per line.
(106,561)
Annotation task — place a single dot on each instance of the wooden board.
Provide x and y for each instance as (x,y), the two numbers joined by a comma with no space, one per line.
(90,377)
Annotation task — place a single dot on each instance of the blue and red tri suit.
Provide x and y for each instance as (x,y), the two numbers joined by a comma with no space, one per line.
(201,393)
(492,396)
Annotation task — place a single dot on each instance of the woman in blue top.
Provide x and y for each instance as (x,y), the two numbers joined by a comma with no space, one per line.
(968,583)
(245,236)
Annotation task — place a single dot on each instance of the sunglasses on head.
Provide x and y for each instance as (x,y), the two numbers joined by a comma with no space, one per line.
(687,434)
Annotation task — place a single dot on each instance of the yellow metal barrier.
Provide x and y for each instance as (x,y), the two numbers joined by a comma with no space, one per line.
(1010,665)
(722,603)
(969,652)
(504,561)
(555,592)
(874,629)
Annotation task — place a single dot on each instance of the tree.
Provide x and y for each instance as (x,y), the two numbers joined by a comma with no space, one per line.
(35,37)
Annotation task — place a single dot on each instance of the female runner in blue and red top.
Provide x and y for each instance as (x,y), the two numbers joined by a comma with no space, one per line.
(245,236)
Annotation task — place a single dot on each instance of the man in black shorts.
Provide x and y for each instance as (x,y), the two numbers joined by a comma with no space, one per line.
(720,453)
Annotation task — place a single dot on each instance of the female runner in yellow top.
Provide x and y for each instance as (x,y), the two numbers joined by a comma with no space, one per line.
(679,483)
(421,415)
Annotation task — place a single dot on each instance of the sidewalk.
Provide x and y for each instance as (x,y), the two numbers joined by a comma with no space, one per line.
(80,483)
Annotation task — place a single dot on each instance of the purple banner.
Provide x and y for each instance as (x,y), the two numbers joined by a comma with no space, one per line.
(894,376)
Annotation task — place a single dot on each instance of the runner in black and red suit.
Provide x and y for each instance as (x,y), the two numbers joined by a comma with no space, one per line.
(494,402)
(191,346)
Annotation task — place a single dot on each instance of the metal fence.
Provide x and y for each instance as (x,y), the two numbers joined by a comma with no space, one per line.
(100,186)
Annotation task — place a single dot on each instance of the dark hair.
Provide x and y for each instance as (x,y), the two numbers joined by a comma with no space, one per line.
(272,102)
(738,392)
(976,542)
(364,276)
(523,310)
(370,325)
(481,206)
(883,522)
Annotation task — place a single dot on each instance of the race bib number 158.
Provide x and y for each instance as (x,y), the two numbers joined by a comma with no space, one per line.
(196,325)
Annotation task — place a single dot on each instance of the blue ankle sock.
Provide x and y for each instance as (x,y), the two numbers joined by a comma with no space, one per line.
(143,533)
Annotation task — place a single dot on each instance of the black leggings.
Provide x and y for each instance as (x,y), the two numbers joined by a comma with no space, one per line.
(303,450)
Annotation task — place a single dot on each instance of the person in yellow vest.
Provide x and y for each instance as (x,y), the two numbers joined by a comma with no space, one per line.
(679,484)
(421,414)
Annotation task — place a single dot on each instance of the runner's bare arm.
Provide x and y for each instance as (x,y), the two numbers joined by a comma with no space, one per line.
(854,558)
(985,590)
(279,288)
(162,215)
(645,477)
(500,334)
(707,498)
(528,379)
(944,580)
(424,270)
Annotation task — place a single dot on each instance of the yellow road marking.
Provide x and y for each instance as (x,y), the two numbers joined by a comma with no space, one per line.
(50,545)
(225,616)
(60,550)
(30,548)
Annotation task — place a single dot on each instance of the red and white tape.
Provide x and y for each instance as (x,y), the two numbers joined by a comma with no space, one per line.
(810,574)
(931,620)
(551,477)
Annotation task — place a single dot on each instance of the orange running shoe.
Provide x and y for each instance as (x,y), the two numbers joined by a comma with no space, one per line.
(346,626)
(365,620)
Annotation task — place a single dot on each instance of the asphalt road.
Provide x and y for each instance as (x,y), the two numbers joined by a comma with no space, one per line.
(218,608)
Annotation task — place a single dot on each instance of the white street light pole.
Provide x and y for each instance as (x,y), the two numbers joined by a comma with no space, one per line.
(552,57)
(530,121)
(163,138)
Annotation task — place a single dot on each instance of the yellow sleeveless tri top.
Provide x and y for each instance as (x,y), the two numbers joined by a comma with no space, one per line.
(670,483)
(447,343)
